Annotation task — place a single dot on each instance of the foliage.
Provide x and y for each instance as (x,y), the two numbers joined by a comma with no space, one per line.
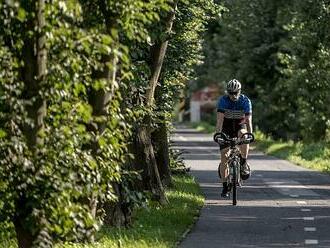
(191,22)
(177,164)
(51,183)
(279,50)
(308,68)
(47,187)
(44,188)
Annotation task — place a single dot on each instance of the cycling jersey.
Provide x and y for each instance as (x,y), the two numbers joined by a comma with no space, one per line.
(234,113)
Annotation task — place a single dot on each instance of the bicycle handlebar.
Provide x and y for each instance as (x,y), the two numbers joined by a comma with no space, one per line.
(223,139)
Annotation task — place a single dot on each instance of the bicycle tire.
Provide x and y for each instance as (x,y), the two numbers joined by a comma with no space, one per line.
(219,174)
(234,183)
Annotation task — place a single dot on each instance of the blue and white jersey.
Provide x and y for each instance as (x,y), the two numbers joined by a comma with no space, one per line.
(235,109)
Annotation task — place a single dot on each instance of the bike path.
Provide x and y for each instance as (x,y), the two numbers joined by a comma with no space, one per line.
(281,205)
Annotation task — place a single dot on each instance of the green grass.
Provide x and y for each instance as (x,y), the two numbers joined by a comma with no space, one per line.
(310,155)
(203,126)
(157,226)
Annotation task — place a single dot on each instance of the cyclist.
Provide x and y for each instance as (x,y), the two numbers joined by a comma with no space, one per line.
(234,118)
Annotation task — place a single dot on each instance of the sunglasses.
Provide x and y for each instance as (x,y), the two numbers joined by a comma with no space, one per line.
(233,93)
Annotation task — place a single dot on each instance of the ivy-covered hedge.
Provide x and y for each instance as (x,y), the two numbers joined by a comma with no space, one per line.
(82,86)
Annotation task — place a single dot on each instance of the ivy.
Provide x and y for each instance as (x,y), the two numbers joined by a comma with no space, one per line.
(63,147)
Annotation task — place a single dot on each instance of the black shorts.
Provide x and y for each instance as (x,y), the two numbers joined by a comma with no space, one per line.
(231,128)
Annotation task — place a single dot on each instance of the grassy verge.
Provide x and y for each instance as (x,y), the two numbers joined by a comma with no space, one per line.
(157,226)
(154,227)
(313,155)
(203,126)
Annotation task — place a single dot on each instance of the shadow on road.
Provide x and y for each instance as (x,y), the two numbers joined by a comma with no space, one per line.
(256,227)
(257,187)
(263,218)
(268,213)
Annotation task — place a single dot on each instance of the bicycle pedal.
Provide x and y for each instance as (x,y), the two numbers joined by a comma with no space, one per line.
(225,195)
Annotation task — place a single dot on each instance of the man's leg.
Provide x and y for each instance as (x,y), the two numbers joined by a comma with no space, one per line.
(244,153)
(223,165)
(243,148)
(224,171)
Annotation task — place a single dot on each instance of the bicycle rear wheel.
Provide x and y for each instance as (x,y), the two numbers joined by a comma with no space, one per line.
(234,183)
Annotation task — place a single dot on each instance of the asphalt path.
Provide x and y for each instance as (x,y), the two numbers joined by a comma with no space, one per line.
(281,205)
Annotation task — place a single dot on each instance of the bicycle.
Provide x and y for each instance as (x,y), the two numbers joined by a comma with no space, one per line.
(234,157)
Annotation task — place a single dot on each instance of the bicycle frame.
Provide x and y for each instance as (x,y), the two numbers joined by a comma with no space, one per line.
(234,165)
(234,175)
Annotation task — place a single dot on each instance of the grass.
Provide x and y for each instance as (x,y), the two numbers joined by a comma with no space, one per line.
(157,226)
(203,126)
(310,155)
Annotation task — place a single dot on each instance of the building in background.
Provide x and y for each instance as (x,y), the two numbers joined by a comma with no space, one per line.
(203,104)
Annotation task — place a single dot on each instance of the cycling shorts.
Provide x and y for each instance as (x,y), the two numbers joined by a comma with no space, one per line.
(231,127)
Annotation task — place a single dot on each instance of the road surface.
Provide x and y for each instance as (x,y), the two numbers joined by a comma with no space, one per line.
(281,205)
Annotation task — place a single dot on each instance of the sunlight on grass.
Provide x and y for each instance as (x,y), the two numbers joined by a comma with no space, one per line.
(157,226)
(313,155)
(280,148)
(203,126)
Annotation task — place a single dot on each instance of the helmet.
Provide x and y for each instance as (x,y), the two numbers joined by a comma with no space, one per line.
(233,85)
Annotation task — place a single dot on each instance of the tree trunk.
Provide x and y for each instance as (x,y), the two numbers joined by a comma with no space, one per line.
(158,52)
(33,73)
(99,100)
(117,213)
(24,237)
(145,160)
(160,139)
(160,135)
(145,151)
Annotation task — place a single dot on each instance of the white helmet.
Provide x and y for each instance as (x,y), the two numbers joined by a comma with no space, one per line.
(233,85)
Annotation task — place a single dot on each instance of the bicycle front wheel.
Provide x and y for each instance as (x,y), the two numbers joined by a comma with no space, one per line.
(235,183)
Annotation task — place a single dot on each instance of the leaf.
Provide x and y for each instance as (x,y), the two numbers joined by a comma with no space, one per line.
(21,14)
(3,133)
(85,111)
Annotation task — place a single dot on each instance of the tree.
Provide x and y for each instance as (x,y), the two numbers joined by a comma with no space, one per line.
(188,32)
(30,66)
(78,87)
(306,78)
(144,150)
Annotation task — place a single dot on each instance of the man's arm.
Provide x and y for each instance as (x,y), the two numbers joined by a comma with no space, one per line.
(220,117)
(249,123)
(248,114)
